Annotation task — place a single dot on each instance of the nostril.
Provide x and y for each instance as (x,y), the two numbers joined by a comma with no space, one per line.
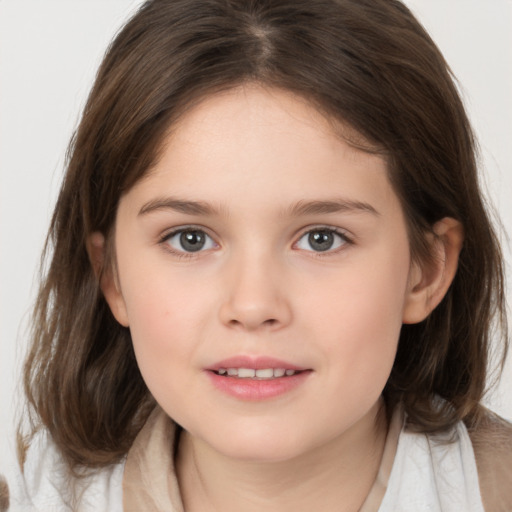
(253,324)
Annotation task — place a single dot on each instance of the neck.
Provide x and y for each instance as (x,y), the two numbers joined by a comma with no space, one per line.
(335,476)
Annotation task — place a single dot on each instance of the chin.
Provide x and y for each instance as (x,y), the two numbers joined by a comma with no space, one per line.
(259,446)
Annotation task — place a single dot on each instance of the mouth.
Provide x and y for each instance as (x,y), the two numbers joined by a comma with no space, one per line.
(256,374)
(256,378)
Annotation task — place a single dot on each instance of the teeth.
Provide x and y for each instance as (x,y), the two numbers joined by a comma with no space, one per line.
(245,373)
(265,374)
(250,373)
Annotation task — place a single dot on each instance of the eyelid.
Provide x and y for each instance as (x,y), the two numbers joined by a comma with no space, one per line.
(170,233)
(167,233)
(342,233)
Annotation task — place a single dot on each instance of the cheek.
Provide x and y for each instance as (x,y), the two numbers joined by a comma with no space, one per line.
(158,317)
(170,312)
(360,319)
(160,300)
(163,346)
(368,294)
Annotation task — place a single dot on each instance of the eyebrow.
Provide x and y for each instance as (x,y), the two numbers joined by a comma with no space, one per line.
(178,205)
(331,206)
(298,209)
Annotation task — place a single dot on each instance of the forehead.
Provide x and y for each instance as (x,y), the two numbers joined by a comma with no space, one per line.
(259,107)
(267,144)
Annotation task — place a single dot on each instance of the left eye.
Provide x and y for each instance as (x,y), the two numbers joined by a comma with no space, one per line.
(321,240)
(190,240)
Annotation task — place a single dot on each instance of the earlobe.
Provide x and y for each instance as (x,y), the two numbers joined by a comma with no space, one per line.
(106,274)
(428,283)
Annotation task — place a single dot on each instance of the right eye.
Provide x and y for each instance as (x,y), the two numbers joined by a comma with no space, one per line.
(322,239)
(189,240)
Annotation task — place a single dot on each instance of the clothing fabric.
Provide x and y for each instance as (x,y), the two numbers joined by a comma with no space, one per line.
(47,486)
(418,472)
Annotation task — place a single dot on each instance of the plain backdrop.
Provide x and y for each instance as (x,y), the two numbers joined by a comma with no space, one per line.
(49,52)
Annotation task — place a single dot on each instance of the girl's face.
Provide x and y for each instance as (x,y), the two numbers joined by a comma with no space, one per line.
(263,244)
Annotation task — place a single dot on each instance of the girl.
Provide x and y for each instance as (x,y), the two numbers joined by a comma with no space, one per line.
(271,278)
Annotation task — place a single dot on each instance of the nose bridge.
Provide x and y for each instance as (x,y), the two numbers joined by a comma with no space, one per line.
(256,294)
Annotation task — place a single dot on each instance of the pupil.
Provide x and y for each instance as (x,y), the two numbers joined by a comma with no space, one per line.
(321,240)
(192,241)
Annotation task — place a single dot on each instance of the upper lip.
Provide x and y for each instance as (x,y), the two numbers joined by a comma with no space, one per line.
(254,362)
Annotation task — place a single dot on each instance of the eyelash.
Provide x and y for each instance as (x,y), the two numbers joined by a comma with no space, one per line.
(164,241)
(345,240)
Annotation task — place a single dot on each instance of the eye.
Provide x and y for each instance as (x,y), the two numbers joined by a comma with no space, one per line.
(189,240)
(321,240)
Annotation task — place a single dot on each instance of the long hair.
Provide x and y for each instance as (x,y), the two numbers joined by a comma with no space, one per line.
(367,63)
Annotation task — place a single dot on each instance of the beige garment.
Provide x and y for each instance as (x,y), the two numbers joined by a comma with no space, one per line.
(150,481)
(4,495)
(492,443)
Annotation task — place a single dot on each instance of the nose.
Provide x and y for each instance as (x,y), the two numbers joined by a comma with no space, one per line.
(255,297)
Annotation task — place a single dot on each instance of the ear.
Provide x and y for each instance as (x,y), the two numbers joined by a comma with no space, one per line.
(429,282)
(106,273)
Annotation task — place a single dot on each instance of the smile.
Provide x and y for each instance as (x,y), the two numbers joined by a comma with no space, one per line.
(256,378)
(259,374)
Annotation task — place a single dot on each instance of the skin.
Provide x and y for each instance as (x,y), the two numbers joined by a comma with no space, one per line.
(253,156)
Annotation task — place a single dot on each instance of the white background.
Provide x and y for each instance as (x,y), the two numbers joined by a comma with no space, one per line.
(49,51)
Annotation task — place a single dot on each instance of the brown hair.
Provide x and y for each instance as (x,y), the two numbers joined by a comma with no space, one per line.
(368,63)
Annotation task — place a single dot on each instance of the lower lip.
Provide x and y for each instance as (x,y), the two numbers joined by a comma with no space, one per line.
(257,390)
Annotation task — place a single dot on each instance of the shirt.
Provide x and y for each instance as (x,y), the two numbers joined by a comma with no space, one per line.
(418,472)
